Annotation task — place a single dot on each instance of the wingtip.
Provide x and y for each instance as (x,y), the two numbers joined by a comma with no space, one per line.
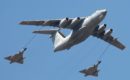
(23,23)
(34,32)
(123,47)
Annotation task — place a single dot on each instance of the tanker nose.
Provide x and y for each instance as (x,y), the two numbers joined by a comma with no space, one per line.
(103,11)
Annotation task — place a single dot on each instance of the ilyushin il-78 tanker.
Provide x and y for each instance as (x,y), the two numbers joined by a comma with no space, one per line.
(81,28)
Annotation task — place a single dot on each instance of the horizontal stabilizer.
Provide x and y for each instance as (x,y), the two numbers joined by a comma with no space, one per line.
(32,23)
(51,31)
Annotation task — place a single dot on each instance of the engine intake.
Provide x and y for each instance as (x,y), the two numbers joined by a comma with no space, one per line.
(78,18)
(108,32)
(74,22)
(64,22)
(101,28)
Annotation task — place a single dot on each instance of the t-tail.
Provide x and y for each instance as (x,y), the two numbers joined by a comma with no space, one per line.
(56,36)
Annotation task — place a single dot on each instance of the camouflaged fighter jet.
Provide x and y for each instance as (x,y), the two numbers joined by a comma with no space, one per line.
(18,58)
(91,71)
(82,28)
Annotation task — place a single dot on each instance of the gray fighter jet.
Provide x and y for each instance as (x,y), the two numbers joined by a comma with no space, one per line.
(92,71)
(18,58)
(82,28)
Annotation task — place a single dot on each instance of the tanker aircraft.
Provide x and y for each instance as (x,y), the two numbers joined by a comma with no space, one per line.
(81,28)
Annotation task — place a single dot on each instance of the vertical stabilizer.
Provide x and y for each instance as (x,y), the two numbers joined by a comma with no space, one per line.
(57,37)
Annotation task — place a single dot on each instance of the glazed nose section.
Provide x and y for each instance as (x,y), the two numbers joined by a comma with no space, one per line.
(103,11)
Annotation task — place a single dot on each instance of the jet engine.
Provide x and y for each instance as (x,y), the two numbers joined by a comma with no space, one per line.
(64,22)
(75,21)
(108,32)
(101,28)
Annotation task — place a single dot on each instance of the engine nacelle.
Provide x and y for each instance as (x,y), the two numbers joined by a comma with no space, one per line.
(74,22)
(101,28)
(108,32)
(64,22)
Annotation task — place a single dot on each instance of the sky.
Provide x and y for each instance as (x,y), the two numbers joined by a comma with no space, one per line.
(41,63)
